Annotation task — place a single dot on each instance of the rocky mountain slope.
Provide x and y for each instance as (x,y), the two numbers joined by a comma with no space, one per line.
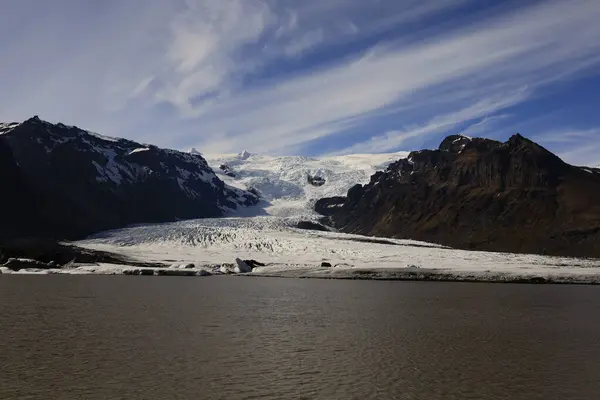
(60,181)
(479,194)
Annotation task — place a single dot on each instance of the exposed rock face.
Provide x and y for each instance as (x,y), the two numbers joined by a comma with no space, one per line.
(17,264)
(242,266)
(63,182)
(455,143)
(329,205)
(479,194)
(54,254)
(316,180)
(227,170)
(312,226)
(253,263)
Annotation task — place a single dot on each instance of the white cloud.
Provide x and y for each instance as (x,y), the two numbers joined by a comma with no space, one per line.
(206,72)
(209,36)
(484,125)
(394,139)
(584,154)
(569,135)
(306,42)
(206,38)
(518,52)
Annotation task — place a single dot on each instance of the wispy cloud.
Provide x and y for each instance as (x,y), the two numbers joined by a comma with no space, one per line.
(441,123)
(484,125)
(307,41)
(203,56)
(510,49)
(277,76)
(575,146)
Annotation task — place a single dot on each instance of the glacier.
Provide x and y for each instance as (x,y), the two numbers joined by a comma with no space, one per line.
(282,182)
(268,233)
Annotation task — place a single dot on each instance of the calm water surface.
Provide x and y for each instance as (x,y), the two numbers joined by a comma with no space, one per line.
(95,337)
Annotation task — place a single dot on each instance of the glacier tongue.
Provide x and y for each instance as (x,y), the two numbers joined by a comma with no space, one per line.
(268,232)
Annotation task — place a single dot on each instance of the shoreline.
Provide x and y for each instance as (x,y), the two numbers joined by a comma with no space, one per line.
(325,273)
(311,256)
(433,275)
(535,280)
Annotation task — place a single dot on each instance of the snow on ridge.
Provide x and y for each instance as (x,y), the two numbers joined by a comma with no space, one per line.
(102,137)
(118,168)
(117,163)
(187,170)
(461,137)
(7,127)
(138,150)
(590,169)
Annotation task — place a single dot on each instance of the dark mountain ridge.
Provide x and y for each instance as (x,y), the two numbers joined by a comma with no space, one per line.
(63,182)
(479,194)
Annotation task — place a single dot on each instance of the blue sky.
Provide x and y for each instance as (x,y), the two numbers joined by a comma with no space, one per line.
(308,77)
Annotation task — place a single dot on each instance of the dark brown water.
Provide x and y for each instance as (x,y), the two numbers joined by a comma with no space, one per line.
(94,337)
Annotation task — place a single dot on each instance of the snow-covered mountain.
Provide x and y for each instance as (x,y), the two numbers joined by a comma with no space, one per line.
(290,185)
(268,231)
(68,182)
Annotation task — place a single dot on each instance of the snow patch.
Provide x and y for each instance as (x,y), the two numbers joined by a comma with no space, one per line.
(7,127)
(102,137)
(138,150)
(113,169)
(102,175)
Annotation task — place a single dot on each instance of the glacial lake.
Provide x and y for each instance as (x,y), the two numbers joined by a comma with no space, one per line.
(123,337)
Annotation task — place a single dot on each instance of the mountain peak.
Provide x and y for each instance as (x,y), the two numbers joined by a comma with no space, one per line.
(518,144)
(455,143)
(514,196)
(518,138)
(35,120)
(95,182)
